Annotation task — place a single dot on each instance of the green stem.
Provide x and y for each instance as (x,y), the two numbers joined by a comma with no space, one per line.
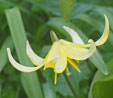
(74,94)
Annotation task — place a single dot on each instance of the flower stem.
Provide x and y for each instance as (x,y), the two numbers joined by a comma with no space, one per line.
(74,94)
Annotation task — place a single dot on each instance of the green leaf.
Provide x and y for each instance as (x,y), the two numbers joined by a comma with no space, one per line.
(66,8)
(3,53)
(62,86)
(51,7)
(49,90)
(57,24)
(103,88)
(30,81)
(96,3)
(102,85)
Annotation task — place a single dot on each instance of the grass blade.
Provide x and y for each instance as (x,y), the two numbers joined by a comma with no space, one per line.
(30,81)
(66,8)
(3,54)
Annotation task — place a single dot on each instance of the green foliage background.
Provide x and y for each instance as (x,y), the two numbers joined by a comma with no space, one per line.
(33,19)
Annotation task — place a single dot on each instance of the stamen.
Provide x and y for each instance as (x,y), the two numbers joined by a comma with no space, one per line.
(67,71)
(73,64)
(77,61)
(44,68)
(55,78)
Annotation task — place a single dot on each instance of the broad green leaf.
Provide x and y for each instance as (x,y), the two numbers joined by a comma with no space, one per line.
(49,89)
(13,4)
(103,88)
(97,3)
(102,85)
(3,53)
(30,80)
(80,9)
(0,89)
(66,8)
(57,24)
(49,7)
(63,87)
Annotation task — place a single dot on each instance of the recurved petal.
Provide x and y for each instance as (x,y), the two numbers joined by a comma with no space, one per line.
(21,67)
(77,40)
(105,34)
(35,59)
(79,53)
(74,35)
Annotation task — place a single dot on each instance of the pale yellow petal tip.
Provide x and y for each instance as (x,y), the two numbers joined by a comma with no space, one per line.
(74,35)
(105,34)
(105,16)
(27,42)
(90,41)
(8,49)
(27,45)
(68,29)
(64,27)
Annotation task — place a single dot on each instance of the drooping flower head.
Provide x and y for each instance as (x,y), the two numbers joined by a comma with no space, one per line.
(62,51)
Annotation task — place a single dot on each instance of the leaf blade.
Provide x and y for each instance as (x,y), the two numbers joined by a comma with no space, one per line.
(3,54)
(19,38)
(66,8)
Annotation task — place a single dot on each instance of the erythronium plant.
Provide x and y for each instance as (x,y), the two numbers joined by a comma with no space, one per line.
(61,52)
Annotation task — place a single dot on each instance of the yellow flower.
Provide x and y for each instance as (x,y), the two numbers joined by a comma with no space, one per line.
(61,52)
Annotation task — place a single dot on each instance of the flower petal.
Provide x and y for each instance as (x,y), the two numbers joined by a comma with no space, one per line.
(73,44)
(56,58)
(50,64)
(21,67)
(52,52)
(77,40)
(105,34)
(75,37)
(77,52)
(35,59)
(61,60)
(61,63)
